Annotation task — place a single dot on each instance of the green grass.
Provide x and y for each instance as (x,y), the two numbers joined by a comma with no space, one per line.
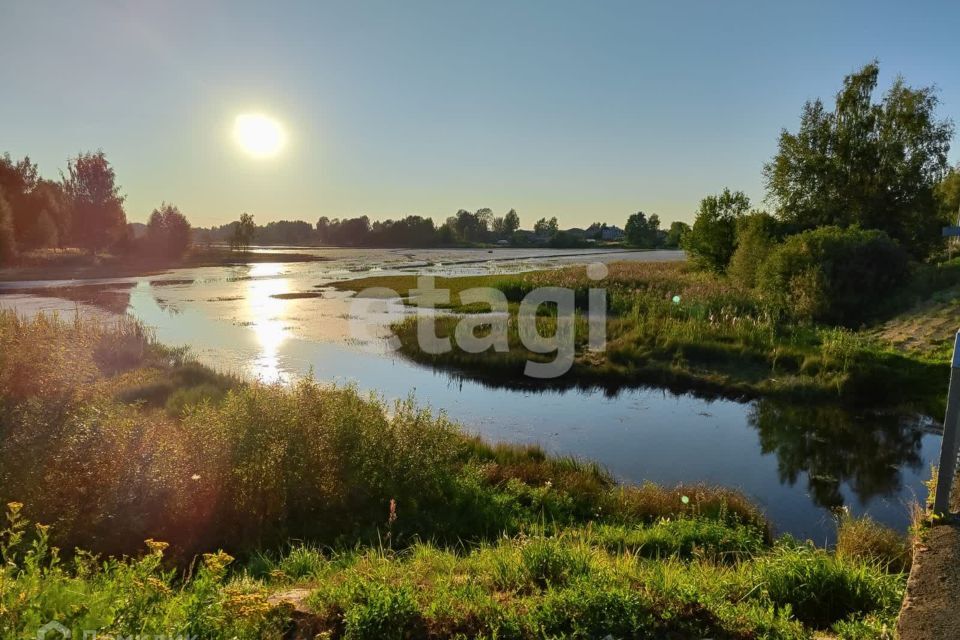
(113,438)
(533,586)
(719,339)
(392,520)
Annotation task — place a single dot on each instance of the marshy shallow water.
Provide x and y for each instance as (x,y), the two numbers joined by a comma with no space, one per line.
(265,320)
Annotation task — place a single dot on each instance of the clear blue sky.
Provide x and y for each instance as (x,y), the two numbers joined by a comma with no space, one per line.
(583,110)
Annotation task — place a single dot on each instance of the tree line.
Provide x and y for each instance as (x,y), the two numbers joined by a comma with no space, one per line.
(465,228)
(856,165)
(859,193)
(83,209)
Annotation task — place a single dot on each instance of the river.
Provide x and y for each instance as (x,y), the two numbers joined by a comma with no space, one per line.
(798,462)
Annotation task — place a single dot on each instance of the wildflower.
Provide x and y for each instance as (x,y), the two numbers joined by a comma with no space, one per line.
(216,562)
(156,546)
(684,499)
(393,512)
(14,507)
(195,476)
(247,605)
(158,585)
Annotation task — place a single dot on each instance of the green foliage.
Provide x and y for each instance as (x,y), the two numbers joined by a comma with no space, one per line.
(839,276)
(581,556)
(717,338)
(757,235)
(98,420)
(641,231)
(504,227)
(572,585)
(381,613)
(98,219)
(863,163)
(594,610)
(821,589)
(685,537)
(546,228)
(712,240)
(947,193)
(548,562)
(675,235)
(511,222)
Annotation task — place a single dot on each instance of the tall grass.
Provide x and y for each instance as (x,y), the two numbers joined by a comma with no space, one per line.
(114,439)
(668,324)
(335,492)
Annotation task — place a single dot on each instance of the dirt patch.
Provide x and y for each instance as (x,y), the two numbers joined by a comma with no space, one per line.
(926,328)
(304,624)
(930,607)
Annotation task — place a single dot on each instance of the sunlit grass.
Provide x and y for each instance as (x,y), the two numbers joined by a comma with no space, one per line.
(392,520)
(670,325)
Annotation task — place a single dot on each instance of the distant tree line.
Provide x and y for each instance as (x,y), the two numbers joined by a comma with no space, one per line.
(465,228)
(859,191)
(84,210)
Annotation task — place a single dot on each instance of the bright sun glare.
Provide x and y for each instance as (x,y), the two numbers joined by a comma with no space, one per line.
(259,135)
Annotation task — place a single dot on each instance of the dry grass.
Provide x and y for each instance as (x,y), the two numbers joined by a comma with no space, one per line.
(864,539)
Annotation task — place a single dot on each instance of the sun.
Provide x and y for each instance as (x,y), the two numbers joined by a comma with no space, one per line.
(259,135)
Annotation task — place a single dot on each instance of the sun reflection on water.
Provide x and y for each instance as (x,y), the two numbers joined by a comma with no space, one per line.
(266,318)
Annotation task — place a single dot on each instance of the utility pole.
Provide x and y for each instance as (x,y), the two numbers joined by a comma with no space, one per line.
(948,446)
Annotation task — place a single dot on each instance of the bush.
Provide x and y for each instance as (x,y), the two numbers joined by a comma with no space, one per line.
(712,239)
(757,235)
(833,275)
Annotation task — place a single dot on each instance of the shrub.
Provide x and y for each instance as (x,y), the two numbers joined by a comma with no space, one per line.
(757,235)
(833,275)
(712,239)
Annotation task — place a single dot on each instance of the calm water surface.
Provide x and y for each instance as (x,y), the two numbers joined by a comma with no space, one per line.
(797,461)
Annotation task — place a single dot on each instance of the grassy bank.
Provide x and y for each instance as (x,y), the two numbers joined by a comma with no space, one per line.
(678,578)
(376,520)
(671,326)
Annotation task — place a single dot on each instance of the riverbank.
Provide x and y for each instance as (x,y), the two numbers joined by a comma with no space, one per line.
(113,439)
(673,327)
(75,265)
